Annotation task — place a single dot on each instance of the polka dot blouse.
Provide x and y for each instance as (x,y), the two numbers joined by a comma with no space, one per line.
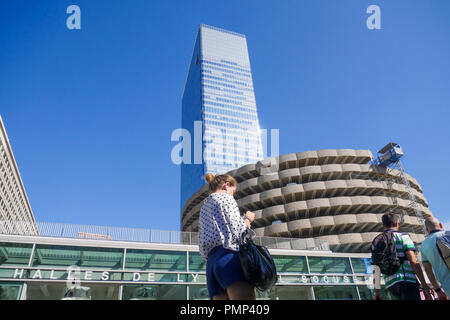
(220,223)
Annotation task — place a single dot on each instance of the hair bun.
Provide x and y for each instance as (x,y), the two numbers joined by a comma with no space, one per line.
(209,177)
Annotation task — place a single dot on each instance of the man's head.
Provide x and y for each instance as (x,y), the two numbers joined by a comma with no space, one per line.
(390,221)
(432,224)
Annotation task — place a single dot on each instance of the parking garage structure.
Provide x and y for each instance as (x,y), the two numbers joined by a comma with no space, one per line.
(336,196)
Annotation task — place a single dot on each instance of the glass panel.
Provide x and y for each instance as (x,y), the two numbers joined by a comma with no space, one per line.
(329,265)
(60,291)
(15,253)
(9,273)
(336,293)
(196,262)
(10,291)
(156,260)
(154,292)
(84,257)
(366,293)
(289,293)
(291,264)
(264,295)
(361,265)
(198,293)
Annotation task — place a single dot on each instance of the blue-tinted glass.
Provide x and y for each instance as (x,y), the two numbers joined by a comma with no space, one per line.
(219,93)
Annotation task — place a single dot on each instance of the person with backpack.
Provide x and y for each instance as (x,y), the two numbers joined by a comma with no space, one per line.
(394,253)
(433,259)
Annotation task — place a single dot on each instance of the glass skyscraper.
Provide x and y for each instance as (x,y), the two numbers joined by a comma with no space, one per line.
(219,104)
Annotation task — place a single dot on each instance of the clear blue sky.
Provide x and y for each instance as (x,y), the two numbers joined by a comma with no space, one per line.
(90,112)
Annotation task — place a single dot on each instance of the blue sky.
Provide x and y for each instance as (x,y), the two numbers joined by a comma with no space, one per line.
(90,112)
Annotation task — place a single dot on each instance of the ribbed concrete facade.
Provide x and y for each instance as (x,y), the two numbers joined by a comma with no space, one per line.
(332,195)
(16,216)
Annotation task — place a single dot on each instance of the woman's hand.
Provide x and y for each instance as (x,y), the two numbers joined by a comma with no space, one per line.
(250,216)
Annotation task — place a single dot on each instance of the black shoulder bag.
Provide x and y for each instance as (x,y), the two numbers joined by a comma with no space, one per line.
(257,263)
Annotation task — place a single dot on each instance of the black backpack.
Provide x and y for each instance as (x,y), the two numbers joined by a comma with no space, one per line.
(384,253)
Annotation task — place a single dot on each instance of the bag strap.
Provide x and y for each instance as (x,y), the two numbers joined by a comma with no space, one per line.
(439,250)
(248,234)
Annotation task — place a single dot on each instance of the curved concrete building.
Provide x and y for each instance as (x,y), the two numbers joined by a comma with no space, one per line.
(331,195)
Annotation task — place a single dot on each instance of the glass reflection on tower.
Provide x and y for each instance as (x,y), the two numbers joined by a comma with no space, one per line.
(219,94)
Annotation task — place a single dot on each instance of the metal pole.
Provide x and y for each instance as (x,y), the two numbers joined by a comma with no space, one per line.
(120,292)
(353,274)
(23,293)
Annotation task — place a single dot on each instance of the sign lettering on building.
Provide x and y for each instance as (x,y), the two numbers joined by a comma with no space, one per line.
(183,277)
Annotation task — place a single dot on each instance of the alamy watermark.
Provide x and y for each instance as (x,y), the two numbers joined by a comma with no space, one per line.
(74,20)
(374,20)
(226,146)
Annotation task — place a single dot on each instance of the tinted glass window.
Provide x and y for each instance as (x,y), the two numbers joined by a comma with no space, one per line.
(84,257)
(15,253)
(156,260)
(329,265)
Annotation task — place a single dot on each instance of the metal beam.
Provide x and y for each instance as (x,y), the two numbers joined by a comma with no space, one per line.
(4,253)
(174,266)
(291,263)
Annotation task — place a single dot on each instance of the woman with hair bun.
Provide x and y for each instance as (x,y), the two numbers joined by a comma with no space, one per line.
(219,230)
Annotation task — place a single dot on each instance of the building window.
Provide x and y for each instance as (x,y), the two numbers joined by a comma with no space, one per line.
(15,253)
(10,290)
(290,264)
(84,257)
(198,293)
(289,293)
(196,262)
(361,265)
(335,293)
(154,292)
(329,265)
(156,260)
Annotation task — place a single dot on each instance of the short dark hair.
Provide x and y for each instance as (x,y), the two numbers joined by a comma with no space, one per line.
(389,220)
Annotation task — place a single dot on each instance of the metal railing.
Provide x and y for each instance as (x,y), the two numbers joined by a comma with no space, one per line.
(77,231)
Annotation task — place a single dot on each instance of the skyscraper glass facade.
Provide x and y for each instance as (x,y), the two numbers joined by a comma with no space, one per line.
(219,94)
